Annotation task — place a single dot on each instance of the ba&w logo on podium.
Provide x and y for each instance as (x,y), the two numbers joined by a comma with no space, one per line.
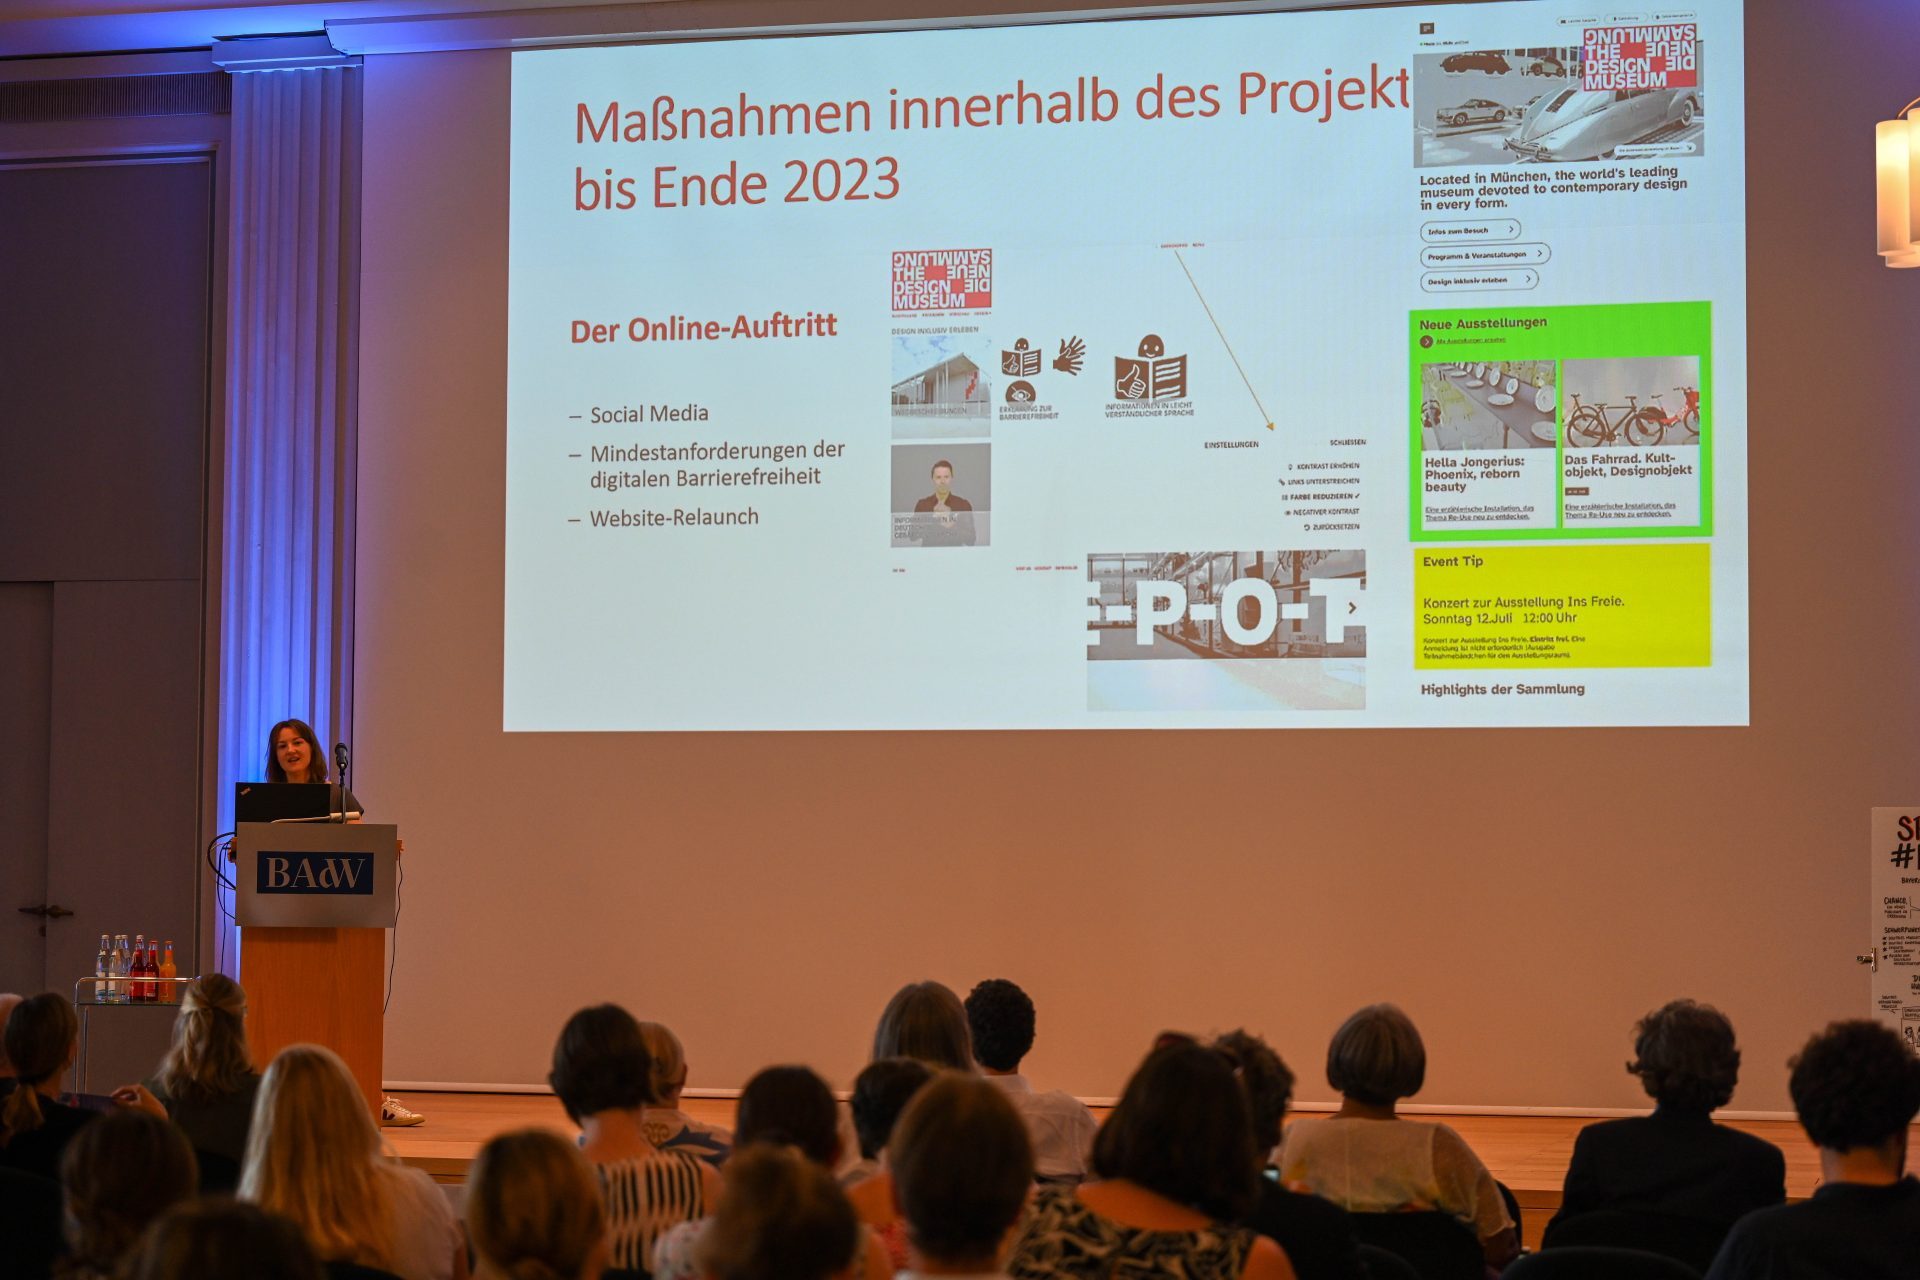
(333,873)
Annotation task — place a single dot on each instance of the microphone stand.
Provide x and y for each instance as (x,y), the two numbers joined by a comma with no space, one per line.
(343,761)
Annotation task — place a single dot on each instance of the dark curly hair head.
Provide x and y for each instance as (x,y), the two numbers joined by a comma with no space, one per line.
(1856,1084)
(1685,1057)
(1000,1016)
(1267,1080)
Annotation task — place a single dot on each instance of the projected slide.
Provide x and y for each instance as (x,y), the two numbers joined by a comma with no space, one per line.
(1368,368)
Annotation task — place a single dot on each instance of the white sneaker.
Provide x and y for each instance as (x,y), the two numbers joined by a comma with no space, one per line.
(398,1116)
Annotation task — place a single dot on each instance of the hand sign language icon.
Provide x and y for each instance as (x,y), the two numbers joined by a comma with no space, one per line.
(1072,356)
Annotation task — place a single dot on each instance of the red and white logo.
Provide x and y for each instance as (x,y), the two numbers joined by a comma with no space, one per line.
(942,279)
(1665,56)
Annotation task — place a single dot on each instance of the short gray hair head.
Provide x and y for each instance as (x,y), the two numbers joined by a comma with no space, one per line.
(1377,1057)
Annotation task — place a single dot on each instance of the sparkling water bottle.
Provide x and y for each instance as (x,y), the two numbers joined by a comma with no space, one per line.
(117,969)
(102,990)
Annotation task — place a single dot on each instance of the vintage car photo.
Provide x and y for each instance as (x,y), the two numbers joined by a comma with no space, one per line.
(1474,111)
(1485,60)
(1581,124)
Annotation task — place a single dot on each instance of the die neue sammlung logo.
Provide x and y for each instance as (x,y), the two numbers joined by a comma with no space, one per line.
(942,279)
(1661,56)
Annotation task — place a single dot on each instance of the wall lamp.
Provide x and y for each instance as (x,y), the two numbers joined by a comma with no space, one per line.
(1897,148)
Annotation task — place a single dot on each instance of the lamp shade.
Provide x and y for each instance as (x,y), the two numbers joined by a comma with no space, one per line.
(1897,156)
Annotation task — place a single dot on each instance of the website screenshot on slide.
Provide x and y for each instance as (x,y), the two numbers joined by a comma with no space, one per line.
(1364,368)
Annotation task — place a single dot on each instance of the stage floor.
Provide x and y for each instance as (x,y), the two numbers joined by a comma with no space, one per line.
(1528,1153)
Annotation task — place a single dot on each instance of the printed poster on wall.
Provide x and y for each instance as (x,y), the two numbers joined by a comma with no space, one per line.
(1895,857)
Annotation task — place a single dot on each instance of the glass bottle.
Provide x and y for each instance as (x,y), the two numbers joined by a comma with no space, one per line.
(117,971)
(168,970)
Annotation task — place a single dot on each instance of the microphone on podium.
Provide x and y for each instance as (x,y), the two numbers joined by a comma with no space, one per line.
(340,760)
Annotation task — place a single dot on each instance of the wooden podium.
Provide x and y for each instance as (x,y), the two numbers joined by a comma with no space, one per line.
(315,901)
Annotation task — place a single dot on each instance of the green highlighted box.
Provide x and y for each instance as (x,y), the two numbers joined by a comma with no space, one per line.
(1536,344)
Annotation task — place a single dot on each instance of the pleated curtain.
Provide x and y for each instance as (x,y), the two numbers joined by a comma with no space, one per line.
(286,642)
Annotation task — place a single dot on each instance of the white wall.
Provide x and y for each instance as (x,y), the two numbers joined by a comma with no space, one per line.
(1525,895)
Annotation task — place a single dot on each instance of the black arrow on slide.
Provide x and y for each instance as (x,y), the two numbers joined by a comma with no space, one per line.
(1223,339)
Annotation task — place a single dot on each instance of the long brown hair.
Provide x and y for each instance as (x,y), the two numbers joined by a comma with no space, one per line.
(783,1218)
(40,1036)
(209,1058)
(925,1020)
(533,1208)
(119,1174)
(317,754)
(314,1155)
(222,1239)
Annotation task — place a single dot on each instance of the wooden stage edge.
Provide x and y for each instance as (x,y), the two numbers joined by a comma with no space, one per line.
(1528,1153)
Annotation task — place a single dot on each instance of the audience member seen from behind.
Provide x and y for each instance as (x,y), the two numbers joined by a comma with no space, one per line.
(207,1082)
(783,1217)
(925,1020)
(962,1166)
(668,1127)
(1000,1016)
(314,1155)
(1856,1088)
(533,1210)
(8,999)
(880,1091)
(118,1175)
(1367,1159)
(784,1106)
(1676,1163)
(604,1078)
(42,1036)
(1316,1234)
(1176,1170)
(221,1239)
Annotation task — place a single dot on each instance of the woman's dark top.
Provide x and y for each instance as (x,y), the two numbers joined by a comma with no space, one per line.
(1316,1234)
(39,1150)
(220,1125)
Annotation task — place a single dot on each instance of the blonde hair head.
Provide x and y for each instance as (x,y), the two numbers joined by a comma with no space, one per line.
(533,1208)
(669,1059)
(209,1058)
(314,1155)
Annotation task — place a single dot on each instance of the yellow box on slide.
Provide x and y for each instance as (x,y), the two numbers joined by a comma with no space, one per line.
(1563,607)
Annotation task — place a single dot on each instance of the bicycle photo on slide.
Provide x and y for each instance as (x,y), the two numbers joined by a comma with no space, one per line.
(1638,403)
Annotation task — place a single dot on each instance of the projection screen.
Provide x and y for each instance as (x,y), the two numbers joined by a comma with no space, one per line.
(1279,370)
(963,403)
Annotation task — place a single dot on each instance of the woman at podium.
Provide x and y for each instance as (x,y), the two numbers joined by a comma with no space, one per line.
(294,754)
